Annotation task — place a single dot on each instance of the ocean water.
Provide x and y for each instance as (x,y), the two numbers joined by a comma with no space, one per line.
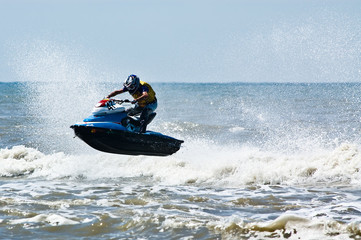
(259,161)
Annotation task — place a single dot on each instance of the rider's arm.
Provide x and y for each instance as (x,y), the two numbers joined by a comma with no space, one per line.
(143,96)
(116,92)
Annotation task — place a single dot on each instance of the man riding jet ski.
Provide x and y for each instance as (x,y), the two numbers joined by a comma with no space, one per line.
(116,127)
(144,98)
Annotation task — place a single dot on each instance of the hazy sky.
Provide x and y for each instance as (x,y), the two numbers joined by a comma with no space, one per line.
(183,41)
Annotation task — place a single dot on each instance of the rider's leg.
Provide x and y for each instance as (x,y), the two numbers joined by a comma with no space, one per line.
(144,116)
(134,111)
(144,119)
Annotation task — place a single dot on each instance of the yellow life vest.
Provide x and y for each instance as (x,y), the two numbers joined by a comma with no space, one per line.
(151,94)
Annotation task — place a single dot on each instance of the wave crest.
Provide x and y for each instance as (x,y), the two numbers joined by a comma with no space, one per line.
(198,163)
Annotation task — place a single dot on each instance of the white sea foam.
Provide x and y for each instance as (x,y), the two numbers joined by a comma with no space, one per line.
(286,227)
(205,164)
(52,219)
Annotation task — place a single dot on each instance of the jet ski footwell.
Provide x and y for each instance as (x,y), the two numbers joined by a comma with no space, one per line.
(126,142)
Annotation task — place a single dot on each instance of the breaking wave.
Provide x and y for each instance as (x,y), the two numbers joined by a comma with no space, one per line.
(205,164)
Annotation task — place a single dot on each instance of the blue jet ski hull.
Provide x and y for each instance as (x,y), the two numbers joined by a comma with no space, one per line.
(114,138)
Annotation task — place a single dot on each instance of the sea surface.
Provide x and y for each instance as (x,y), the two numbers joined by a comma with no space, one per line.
(259,161)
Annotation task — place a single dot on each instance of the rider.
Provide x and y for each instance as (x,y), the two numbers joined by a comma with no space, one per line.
(144,98)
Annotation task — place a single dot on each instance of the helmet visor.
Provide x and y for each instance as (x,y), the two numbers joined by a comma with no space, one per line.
(130,83)
(130,87)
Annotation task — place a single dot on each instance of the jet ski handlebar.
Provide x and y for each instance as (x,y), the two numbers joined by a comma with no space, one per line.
(111,102)
(121,101)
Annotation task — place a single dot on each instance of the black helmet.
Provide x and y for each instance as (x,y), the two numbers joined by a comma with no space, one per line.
(132,83)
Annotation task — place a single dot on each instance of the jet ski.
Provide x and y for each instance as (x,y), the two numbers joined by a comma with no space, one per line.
(110,128)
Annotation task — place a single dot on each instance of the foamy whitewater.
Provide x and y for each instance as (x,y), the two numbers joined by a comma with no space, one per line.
(259,161)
